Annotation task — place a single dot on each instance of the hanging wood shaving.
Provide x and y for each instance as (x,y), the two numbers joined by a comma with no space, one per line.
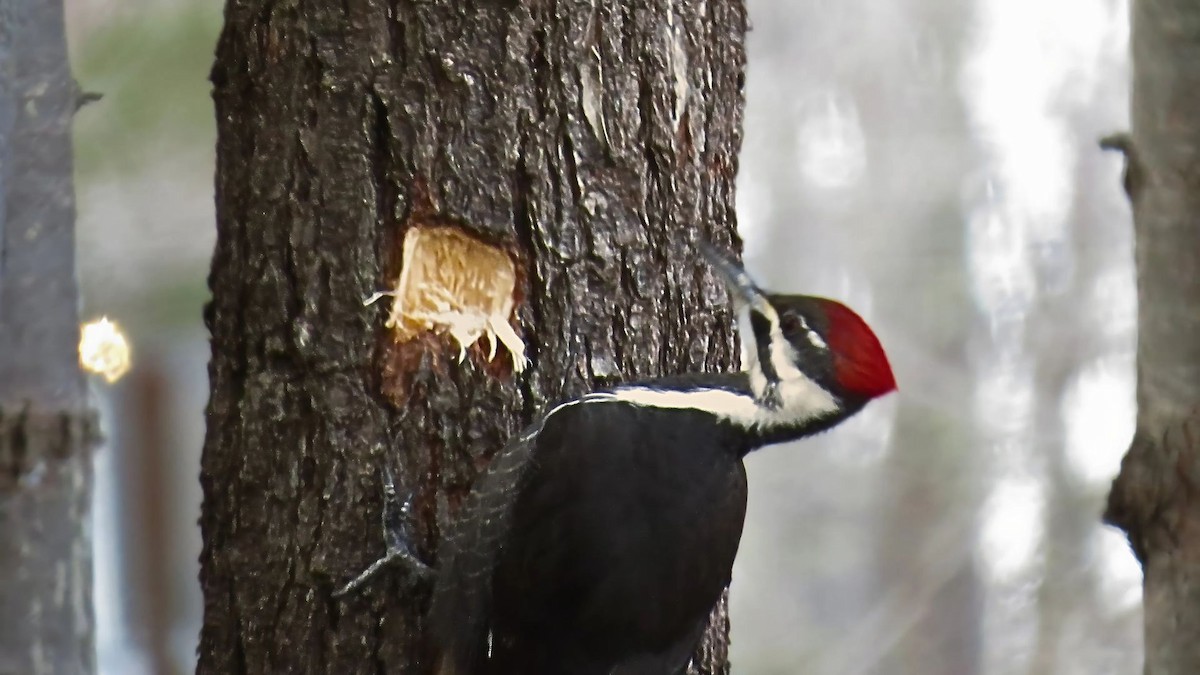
(453,284)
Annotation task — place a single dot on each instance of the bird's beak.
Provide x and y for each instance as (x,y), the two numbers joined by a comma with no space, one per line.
(743,288)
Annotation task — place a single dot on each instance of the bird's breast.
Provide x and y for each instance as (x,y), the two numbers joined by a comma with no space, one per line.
(626,531)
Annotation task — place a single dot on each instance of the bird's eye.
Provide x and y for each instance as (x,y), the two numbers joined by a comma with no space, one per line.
(792,323)
(795,325)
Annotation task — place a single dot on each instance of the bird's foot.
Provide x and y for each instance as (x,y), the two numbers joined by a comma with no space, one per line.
(398,534)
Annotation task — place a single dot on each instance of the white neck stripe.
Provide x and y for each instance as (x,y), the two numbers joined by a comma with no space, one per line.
(801,400)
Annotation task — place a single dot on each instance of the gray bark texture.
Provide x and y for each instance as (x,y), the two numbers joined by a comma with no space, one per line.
(590,140)
(46,430)
(1156,497)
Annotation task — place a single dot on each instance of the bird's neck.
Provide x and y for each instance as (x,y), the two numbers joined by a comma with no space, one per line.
(792,410)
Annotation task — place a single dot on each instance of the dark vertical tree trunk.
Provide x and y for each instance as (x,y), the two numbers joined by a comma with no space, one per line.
(46,431)
(1156,497)
(584,141)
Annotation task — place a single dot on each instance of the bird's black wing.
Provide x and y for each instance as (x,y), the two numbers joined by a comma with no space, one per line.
(671,661)
(460,611)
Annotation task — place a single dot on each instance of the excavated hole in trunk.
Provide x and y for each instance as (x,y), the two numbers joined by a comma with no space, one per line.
(453,284)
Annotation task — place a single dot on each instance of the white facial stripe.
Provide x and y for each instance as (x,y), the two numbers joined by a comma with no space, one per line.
(801,398)
(758,383)
(758,380)
(783,356)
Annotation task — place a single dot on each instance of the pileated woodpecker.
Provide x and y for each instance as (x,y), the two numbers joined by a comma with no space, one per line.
(601,537)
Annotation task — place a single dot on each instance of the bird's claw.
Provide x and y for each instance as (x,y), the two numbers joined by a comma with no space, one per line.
(398,535)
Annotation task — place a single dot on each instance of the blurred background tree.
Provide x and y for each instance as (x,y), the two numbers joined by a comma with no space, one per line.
(932,163)
(1155,498)
(47,430)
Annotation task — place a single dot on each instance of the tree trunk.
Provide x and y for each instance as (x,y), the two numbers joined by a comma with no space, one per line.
(46,430)
(573,146)
(1155,499)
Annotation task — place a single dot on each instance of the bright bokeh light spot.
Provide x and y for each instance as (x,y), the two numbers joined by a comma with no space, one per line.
(1120,573)
(1099,413)
(831,148)
(1012,527)
(104,350)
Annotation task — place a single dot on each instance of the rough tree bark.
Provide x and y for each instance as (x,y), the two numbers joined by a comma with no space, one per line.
(46,429)
(580,138)
(1156,497)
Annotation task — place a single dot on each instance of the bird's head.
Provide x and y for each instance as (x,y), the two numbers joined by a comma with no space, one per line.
(802,350)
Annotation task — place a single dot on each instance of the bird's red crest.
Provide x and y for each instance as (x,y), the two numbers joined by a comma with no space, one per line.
(860,364)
